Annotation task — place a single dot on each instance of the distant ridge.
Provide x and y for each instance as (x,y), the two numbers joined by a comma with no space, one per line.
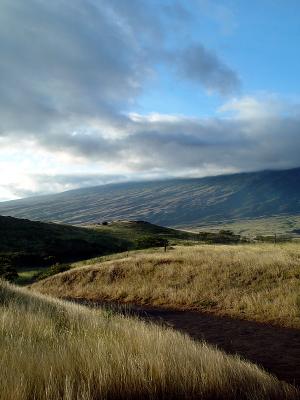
(174,202)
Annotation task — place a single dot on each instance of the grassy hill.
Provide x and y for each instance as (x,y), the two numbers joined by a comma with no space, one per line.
(284,225)
(256,282)
(29,246)
(177,202)
(56,350)
(133,231)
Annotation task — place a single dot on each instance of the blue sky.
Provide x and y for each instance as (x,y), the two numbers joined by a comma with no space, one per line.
(258,39)
(97,91)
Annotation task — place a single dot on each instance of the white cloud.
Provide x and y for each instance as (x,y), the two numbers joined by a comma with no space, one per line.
(256,108)
(251,137)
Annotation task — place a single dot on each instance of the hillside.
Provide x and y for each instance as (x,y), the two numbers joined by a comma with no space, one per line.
(56,350)
(255,282)
(177,202)
(29,244)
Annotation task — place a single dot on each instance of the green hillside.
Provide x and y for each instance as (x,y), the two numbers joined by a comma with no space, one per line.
(28,246)
(177,202)
(134,231)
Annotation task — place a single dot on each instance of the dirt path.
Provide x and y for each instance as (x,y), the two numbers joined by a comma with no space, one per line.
(276,349)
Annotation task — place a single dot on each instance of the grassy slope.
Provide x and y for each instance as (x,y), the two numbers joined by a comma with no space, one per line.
(132,231)
(256,282)
(53,350)
(280,225)
(179,202)
(20,235)
(27,245)
(32,247)
(61,241)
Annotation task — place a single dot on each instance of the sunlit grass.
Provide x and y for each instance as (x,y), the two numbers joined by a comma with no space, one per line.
(258,282)
(54,350)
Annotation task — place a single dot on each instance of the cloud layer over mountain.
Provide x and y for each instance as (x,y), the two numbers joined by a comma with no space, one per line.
(71,77)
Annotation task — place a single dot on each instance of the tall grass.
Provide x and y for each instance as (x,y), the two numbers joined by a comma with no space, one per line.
(55,350)
(259,282)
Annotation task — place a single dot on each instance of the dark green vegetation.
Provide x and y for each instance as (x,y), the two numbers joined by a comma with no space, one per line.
(135,232)
(37,249)
(177,202)
(29,246)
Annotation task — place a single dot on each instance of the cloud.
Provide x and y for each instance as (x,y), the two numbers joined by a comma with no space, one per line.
(259,133)
(37,184)
(246,136)
(63,61)
(204,67)
(260,107)
(247,139)
(72,73)
(64,64)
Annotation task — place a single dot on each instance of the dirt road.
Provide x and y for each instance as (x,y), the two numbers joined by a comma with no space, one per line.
(274,348)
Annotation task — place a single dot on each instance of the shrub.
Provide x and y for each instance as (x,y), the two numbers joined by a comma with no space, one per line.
(53,270)
(151,241)
(8,273)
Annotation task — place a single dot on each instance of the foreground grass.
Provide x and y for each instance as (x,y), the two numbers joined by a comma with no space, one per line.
(56,350)
(258,282)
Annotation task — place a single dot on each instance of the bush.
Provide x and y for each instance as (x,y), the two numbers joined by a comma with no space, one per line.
(151,241)
(53,270)
(8,273)
(222,237)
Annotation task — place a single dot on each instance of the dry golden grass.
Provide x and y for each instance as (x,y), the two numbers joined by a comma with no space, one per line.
(259,282)
(54,350)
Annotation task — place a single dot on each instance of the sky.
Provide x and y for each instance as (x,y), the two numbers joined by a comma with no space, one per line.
(101,91)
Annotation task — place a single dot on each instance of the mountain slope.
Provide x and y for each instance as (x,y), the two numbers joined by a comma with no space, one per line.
(176,202)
